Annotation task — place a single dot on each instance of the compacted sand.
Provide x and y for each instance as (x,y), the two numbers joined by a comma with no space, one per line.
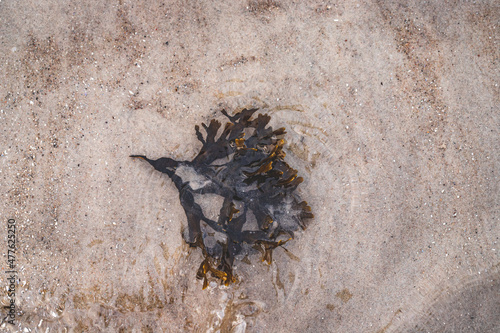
(392,114)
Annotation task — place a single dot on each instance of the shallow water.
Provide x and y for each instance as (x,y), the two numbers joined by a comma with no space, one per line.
(392,119)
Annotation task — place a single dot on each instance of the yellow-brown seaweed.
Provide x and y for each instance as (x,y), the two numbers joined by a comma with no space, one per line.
(256,179)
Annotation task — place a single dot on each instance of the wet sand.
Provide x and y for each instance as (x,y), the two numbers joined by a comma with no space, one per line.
(392,114)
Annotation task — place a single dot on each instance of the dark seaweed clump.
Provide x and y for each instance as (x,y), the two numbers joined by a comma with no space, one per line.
(245,166)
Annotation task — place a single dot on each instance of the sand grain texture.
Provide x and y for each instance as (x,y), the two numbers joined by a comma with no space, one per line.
(392,113)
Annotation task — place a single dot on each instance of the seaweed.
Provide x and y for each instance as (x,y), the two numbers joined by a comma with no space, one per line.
(245,166)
